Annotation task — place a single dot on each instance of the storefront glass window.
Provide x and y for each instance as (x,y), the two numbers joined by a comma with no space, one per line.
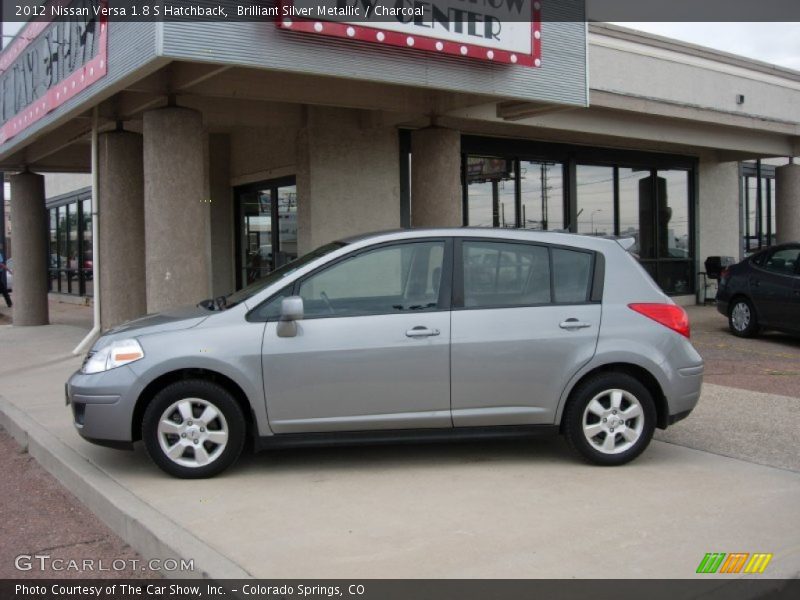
(53,252)
(86,248)
(635,206)
(759,217)
(70,247)
(595,188)
(287,223)
(267,228)
(491,192)
(648,202)
(542,185)
(63,250)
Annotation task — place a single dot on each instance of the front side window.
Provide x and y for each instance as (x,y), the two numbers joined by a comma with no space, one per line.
(500,274)
(389,279)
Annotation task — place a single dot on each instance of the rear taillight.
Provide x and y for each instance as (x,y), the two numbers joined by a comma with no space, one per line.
(723,275)
(668,315)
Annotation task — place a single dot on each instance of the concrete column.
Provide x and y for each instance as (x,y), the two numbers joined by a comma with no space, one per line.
(177,256)
(787,204)
(221,195)
(347,177)
(121,228)
(436,199)
(29,242)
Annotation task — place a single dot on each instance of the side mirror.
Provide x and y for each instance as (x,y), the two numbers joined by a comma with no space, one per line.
(291,312)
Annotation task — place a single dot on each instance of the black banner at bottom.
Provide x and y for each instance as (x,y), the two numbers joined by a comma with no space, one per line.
(711,588)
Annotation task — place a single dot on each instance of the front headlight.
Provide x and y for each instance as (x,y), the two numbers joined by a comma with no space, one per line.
(116,354)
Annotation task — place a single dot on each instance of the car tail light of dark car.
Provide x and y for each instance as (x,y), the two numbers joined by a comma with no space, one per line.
(669,315)
(723,276)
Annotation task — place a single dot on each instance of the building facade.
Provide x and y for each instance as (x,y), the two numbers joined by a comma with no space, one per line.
(219,151)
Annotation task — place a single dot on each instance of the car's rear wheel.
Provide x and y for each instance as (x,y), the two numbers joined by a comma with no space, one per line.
(610,419)
(742,318)
(193,429)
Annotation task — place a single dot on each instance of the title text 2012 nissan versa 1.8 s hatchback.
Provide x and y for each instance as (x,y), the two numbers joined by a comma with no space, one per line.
(411,335)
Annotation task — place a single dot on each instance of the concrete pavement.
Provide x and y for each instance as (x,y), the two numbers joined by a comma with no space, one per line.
(490,510)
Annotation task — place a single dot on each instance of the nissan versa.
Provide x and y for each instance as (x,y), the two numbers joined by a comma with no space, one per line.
(412,335)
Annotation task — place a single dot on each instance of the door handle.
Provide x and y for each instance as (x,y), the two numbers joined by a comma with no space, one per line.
(571,324)
(421,332)
(754,282)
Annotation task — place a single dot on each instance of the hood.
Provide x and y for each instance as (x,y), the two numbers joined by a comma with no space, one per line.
(171,320)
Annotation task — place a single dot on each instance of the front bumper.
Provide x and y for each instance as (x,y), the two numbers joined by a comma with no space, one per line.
(102,405)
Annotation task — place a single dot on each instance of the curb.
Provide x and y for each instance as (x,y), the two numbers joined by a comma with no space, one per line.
(143,528)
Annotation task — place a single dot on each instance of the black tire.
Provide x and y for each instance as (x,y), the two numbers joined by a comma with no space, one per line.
(198,440)
(594,388)
(742,319)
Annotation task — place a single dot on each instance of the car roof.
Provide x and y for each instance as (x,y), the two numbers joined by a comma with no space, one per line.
(551,237)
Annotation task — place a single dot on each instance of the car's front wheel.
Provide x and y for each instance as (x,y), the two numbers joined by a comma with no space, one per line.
(610,419)
(742,318)
(193,429)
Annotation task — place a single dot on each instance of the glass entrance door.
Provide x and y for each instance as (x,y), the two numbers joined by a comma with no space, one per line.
(266,230)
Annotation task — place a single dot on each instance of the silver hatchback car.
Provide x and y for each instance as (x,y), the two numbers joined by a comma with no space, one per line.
(410,335)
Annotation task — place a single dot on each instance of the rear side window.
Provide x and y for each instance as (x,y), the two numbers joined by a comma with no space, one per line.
(499,274)
(572,276)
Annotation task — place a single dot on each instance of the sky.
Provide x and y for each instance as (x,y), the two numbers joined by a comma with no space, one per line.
(776,43)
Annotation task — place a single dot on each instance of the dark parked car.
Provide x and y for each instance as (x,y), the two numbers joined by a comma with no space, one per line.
(762,292)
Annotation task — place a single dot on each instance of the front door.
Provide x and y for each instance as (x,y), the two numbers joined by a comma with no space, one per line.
(266,228)
(773,285)
(523,324)
(373,349)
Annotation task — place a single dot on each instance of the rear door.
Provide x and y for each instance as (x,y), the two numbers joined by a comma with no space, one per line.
(523,322)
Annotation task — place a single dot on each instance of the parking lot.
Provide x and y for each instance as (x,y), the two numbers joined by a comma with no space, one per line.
(482,509)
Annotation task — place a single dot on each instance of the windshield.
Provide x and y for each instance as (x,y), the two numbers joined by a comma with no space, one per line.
(254,288)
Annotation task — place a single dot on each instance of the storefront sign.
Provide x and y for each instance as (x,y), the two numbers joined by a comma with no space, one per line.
(50,62)
(504,31)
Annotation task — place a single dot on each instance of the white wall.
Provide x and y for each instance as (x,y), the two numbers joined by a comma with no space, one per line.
(718,212)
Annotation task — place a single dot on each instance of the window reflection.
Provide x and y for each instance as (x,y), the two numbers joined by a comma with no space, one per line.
(634,199)
(491,192)
(542,185)
(595,186)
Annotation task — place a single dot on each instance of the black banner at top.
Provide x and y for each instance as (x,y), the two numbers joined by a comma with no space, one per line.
(407,10)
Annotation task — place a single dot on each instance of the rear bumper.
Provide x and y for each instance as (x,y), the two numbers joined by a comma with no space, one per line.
(686,387)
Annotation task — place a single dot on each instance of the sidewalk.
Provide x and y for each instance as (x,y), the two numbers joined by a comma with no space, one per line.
(487,510)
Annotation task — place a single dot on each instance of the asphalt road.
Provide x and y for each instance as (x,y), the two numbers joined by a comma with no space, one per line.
(769,363)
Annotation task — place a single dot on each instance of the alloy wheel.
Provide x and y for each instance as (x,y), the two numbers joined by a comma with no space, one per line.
(192,432)
(613,421)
